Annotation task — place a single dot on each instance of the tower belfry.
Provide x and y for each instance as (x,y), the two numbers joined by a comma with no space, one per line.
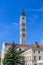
(23,28)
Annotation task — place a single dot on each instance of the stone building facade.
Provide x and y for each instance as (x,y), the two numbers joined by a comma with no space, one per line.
(33,54)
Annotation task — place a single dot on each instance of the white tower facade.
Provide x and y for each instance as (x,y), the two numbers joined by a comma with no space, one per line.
(22,28)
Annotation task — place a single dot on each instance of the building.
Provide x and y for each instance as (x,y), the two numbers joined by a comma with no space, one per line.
(6,46)
(33,54)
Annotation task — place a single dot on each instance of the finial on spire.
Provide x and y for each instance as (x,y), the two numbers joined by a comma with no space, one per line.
(23,13)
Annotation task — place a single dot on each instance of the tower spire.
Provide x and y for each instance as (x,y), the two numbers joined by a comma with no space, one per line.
(23,13)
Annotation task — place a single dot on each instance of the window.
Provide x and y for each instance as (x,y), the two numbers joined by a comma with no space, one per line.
(34,51)
(34,57)
(23,29)
(38,51)
(23,17)
(19,49)
(23,24)
(23,35)
(34,64)
(39,57)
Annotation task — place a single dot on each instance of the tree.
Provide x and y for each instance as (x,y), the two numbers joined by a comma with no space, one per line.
(13,56)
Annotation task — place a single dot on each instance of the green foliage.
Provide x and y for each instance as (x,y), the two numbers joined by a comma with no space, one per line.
(0,59)
(13,56)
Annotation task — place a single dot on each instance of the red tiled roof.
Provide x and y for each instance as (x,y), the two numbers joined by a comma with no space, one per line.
(18,45)
(41,46)
(37,45)
(24,45)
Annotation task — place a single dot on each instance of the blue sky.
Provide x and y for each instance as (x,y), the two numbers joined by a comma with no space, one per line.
(10,11)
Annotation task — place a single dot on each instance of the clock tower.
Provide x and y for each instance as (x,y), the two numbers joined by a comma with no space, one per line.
(23,28)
